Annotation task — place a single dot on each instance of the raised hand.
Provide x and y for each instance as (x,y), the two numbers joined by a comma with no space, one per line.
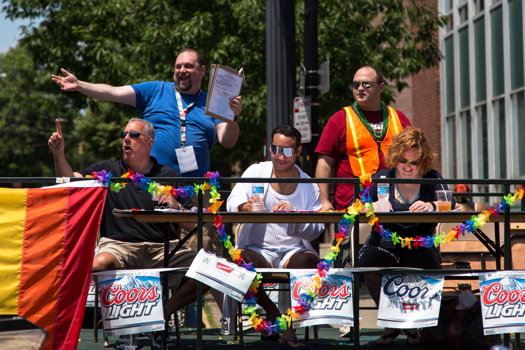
(68,82)
(56,141)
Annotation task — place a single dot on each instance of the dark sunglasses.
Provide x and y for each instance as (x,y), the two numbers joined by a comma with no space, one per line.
(366,84)
(285,151)
(133,134)
(412,162)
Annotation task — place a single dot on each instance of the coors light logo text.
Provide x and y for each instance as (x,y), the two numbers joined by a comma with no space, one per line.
(331,296)
(124,303)
(396,286)
(503,303)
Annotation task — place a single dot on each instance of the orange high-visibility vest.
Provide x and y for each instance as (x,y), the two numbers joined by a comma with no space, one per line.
(361,147)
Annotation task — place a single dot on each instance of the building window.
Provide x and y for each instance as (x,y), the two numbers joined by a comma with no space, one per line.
(516,44)
(480,61)
(464,64)
(463,14)
(500,144)
(465,145)
(449,162)
(449,72)
(479,5)
(483,146)
(518,139)
(497,52)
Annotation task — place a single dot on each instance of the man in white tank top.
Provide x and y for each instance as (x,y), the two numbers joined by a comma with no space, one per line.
(279,245)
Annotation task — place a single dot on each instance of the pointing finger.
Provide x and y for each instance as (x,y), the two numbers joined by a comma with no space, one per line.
(59,128)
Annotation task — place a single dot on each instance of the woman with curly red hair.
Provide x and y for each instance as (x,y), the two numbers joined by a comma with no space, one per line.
(410,156)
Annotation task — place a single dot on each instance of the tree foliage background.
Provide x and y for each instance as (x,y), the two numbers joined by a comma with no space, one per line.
(122,42)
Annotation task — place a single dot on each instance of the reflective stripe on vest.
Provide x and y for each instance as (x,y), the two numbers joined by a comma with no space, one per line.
(361,147)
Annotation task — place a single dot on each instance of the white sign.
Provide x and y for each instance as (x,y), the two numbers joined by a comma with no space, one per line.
(301,117)
(409,301)
(502,296)
(90,302)
(221,274)
(333,301)
(131,301)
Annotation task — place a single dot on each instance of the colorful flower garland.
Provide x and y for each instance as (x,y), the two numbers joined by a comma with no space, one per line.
(154,188)
(363,202)
(476,222)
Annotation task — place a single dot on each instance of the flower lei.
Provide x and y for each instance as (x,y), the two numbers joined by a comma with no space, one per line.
(154,188)
(363,202)
(476,222)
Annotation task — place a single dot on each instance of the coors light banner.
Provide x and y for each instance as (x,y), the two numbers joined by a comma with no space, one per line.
(333,304)
(409,301)
(502,302)
(131,301)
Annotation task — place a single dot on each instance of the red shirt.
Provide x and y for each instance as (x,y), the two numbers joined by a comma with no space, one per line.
(333,144)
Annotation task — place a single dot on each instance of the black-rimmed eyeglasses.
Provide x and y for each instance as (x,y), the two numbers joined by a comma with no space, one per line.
(133,134)
(285,151)
(366,84)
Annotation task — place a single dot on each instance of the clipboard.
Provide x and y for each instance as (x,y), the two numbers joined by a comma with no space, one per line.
(225,83)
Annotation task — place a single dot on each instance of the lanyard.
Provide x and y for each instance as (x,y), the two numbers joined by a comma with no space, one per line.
(183,113)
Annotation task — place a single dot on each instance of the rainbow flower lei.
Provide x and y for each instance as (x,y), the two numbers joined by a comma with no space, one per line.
(363,202)
(476,222)
(154,188)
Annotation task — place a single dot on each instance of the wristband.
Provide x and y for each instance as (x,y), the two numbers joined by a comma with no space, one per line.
(434,208)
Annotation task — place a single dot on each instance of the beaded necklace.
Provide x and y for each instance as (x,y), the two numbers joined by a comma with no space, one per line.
(378,135)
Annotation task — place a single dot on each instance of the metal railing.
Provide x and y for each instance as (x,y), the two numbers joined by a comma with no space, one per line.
(506,184)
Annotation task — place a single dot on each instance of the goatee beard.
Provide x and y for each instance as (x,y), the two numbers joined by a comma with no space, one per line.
(184,87)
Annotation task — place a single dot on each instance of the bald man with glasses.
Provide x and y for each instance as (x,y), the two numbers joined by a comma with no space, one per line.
(371,126)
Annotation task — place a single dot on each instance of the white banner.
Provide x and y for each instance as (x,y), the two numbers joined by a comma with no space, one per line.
(502,302)
(221,274)
(409,301)
(333,303)
(90,302)
(131,301)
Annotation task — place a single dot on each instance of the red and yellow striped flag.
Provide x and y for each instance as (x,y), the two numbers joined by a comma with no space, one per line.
(47,240)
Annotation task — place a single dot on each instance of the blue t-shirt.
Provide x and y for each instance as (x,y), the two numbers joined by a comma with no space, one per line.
(157,103)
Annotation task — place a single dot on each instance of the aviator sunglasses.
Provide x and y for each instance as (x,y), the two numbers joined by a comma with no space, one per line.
(412,162)
(133,134)
(285,151)
(366,84)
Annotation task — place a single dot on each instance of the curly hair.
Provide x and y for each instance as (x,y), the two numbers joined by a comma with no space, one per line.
(411,138)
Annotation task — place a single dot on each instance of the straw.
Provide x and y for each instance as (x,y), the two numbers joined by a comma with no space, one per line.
(443,187)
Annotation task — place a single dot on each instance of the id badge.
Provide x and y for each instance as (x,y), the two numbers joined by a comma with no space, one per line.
(187,159)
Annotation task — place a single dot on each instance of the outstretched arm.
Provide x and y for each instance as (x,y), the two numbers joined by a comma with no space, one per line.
(57,147)
(102,92)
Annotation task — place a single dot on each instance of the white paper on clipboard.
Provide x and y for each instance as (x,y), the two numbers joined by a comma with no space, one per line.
(225,83)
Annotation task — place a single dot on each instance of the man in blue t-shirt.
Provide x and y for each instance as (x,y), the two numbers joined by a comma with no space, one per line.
(168,106)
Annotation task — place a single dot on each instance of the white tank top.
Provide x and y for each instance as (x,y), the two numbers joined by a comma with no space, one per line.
(274,235)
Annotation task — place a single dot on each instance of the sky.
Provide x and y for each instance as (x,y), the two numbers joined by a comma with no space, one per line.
(9,32)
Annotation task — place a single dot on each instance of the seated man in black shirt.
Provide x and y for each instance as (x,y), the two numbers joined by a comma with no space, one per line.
(126,243)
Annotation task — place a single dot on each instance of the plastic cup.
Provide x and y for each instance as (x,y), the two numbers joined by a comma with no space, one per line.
(444,200)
